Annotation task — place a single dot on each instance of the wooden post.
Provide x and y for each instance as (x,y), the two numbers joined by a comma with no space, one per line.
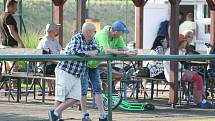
(81,14)
(211,4)
(59,17)
(139,27)
(174,31)
(139,22)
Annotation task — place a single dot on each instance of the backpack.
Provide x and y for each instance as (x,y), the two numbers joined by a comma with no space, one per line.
(163,29)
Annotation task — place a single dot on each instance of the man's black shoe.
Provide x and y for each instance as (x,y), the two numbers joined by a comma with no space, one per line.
(52,116)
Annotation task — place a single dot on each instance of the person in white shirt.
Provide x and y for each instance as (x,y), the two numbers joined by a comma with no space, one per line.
(50,42)
(158,48)
(188,76)
(188,24)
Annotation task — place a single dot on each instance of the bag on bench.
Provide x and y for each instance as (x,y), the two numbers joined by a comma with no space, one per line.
(143,72)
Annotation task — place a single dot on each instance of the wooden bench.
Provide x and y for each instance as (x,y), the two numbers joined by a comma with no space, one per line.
(27,75)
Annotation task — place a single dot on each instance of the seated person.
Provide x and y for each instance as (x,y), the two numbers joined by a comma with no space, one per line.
(155,68)
(49,42)
(188,76)
(110,41)
(158,48)
(190,49)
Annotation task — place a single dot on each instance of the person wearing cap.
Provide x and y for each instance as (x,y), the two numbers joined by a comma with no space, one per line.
(68,72)
(188,76)
(188,24)
(9,34)
(110,41)
(50,42)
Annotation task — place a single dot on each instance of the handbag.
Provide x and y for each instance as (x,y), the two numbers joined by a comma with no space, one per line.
(142,72)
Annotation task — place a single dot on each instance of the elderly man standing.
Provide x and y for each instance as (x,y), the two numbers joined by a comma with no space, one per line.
(110,40)
(49,42)
(68,83)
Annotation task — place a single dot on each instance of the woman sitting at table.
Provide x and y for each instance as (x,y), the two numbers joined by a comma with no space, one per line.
(188,76)
(158,48)
(156,69)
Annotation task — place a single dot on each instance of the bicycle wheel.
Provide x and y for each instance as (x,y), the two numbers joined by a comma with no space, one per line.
(116,98)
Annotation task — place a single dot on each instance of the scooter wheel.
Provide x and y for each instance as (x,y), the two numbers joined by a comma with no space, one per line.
(149,107)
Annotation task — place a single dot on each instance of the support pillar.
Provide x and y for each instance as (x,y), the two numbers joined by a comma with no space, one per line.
(139,5)
(81,14)
(139,27)
(174,31)
(212,28)
(59,17)
(211,4)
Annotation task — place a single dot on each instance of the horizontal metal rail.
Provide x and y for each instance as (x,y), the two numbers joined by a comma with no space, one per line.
(48,57)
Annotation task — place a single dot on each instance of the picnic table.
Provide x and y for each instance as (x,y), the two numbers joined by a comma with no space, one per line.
(28,74)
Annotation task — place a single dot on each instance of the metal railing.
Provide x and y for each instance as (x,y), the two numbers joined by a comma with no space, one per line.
(48,57)
(108,58)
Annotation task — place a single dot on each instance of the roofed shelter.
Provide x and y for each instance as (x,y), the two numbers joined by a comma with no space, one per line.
(81,12)
(173,37)
(173,96)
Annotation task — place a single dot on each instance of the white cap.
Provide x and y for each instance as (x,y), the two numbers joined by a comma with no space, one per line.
(52,26)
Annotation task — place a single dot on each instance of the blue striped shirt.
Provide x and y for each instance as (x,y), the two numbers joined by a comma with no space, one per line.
(77,46)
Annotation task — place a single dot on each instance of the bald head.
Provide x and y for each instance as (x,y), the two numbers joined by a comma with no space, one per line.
(87,26)
(88,30)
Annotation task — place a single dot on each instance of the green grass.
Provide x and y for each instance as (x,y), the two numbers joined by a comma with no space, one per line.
(31,40)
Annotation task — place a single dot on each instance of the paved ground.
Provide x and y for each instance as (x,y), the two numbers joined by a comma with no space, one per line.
(34,110)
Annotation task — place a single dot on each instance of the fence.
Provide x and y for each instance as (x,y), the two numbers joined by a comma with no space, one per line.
(108,58)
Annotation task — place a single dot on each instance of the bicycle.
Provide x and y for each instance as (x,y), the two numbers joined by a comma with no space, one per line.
(117,96)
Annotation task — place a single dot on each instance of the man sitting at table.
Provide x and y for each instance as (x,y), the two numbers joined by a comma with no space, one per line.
(49,42)
(188,76)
